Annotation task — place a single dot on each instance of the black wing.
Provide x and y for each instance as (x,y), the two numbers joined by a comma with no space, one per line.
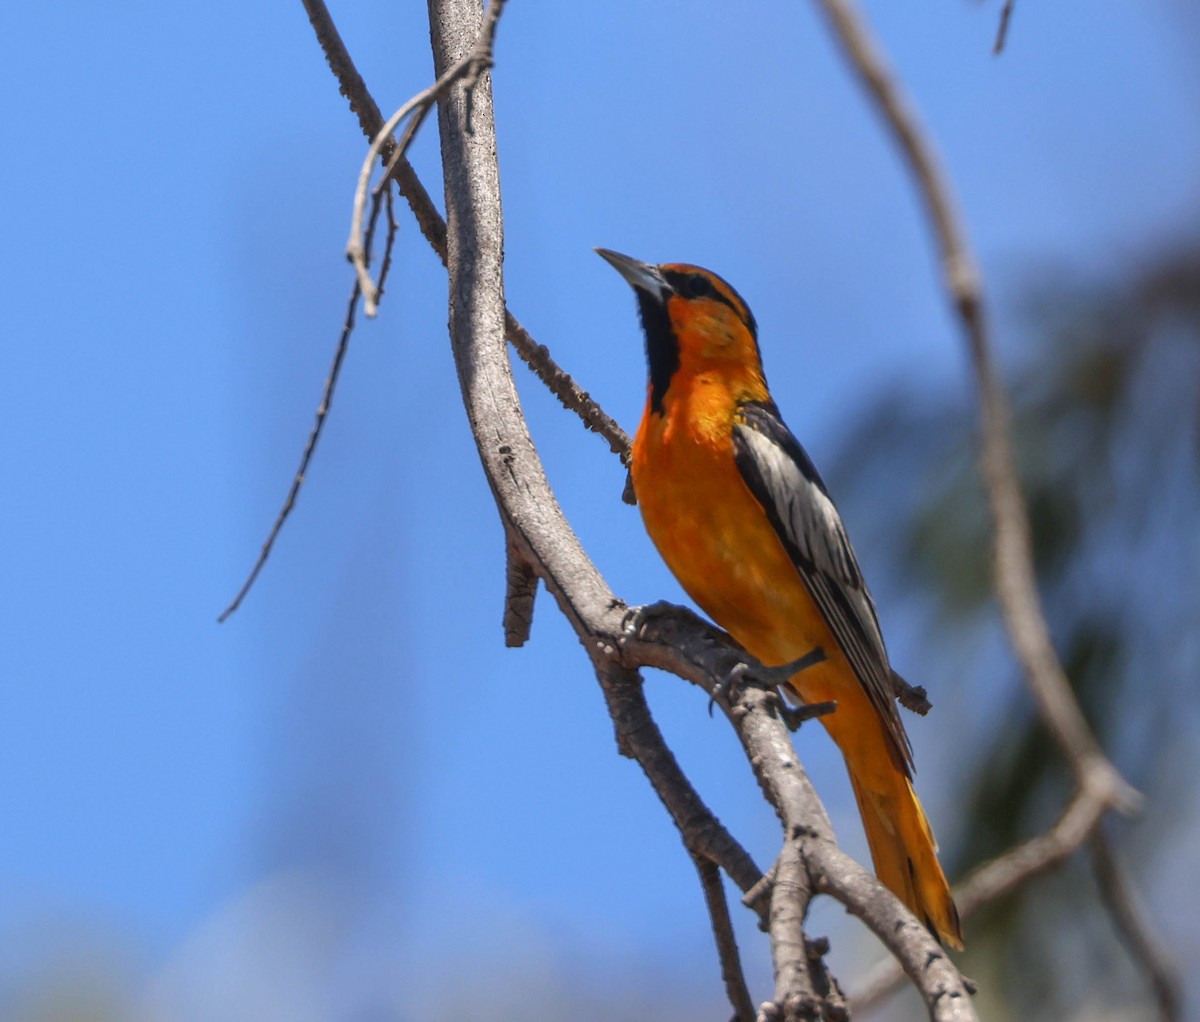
(785,482)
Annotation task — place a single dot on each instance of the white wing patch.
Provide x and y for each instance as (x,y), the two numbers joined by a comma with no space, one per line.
(811,521)
(783,480)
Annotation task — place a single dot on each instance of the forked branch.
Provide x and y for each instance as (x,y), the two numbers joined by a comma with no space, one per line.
(531,515)
(543,547)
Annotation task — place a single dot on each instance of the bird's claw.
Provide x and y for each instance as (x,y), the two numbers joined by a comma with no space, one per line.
(781,675)
(636,618)
(772,677)
(794,716)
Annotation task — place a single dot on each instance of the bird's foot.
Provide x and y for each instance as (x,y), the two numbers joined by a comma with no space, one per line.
(772,677)
(636,619)
(794,716)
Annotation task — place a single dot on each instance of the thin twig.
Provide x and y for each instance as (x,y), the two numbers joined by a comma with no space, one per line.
(639,737)
(727,948)
(433,227)
(309,448)
(1079,824)
(477,60)
(322,409)
(1002,31)
(389,245)
(1001,876)
(570,395)
(1130,920)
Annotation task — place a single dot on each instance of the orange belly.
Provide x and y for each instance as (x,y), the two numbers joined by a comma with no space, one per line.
(718,542)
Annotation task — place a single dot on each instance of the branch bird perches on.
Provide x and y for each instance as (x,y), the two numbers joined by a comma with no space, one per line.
(542,547)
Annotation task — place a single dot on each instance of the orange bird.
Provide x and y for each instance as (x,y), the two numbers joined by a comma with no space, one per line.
(745,523)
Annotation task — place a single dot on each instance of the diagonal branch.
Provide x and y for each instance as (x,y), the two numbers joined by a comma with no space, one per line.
(536,356)
(831,871)
(1012,553)
(1130,920)
(306,456)
(467,69)
(999,877)
(1099,786)
(433,227)
(727,949)
(528,508)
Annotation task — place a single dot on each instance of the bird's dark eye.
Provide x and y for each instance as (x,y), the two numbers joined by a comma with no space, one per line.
(696,285)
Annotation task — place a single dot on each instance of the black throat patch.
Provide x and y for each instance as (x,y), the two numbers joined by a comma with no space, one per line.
(662,347)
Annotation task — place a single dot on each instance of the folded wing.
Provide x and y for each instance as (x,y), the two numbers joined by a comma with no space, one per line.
(785,482)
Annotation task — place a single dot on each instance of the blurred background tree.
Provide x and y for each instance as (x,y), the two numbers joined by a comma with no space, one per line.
(1107,426)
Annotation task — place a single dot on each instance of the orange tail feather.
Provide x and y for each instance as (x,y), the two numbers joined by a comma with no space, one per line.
(905,855)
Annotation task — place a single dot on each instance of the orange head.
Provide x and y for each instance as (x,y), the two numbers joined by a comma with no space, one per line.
(694,322)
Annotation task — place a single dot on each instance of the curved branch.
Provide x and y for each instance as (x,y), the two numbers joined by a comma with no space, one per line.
(362,104)
(831,871)
(1144,946)
(532,516)
(467,68)
(1012,550)
(727,949)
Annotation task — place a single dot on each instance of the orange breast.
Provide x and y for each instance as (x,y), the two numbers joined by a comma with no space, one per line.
(720,545)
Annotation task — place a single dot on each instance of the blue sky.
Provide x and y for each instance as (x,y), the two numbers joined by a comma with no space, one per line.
(352,788)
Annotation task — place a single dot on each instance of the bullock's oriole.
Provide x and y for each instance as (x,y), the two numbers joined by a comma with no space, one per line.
(742,518)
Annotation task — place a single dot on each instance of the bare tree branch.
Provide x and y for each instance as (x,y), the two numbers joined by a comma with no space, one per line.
(1130,920)
(1002,875)
(1015,582)
(727,949)
(467,69)
(310,447)
(1002,31)
(1099,786)
(527,507)
(638,737)
(1079,824)
(433,227)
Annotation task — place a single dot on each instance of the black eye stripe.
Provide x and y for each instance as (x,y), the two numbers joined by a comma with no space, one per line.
(699,285)
(696,285)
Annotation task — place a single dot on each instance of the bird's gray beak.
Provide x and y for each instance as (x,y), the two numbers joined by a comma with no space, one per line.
(640,276)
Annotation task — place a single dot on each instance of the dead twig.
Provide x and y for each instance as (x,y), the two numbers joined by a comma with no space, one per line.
(1130,920)
(433,227)
(727,949)
(310,447)
(1002,30)
(1079,824)
(477,60)
(1002,875)
(323,407)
